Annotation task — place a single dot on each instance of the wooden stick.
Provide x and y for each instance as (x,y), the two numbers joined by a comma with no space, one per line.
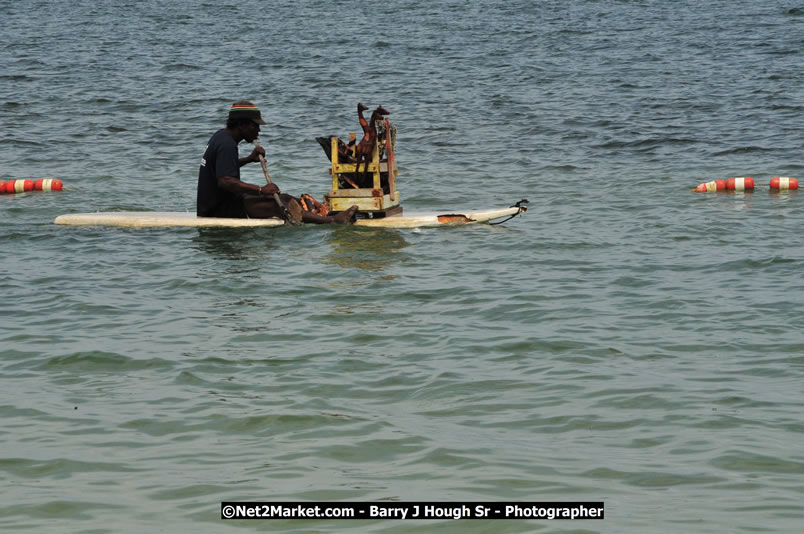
(284,209)
(389,149)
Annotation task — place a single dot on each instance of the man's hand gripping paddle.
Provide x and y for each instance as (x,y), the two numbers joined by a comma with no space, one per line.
(292,218)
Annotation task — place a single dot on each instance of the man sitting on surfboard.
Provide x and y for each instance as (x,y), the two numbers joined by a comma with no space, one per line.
(221,193)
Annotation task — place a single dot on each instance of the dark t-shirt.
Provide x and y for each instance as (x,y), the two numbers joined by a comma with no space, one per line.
(220,159)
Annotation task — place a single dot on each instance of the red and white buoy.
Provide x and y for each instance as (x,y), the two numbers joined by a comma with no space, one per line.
(711,187)
(745,183)
(19,186)
(23,186)
(783,183)
(47,184)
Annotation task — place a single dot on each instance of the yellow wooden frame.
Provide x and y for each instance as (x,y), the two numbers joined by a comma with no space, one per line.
(366,199)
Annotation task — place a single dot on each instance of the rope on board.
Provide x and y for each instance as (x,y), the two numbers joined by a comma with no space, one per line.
(522,207)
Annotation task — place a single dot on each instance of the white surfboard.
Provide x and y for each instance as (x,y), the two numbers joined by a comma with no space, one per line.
(444,218)
(167,219)
(156,218)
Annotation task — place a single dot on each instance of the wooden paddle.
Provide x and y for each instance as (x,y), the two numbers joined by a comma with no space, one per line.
(286,215)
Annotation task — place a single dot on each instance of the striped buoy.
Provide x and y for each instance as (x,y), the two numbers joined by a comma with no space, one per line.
(23,186)
(710,187)
(783,183)
(745,183)
(47,184)
(19,186)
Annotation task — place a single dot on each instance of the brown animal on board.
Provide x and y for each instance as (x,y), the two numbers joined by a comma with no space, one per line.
(312,205)
(365,148)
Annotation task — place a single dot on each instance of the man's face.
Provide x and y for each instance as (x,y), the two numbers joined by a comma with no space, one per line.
(251,132)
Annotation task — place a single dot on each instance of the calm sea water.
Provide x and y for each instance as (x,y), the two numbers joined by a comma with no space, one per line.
(626,341)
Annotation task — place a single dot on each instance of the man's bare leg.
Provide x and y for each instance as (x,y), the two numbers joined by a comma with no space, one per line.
(264,208)
(344,217)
